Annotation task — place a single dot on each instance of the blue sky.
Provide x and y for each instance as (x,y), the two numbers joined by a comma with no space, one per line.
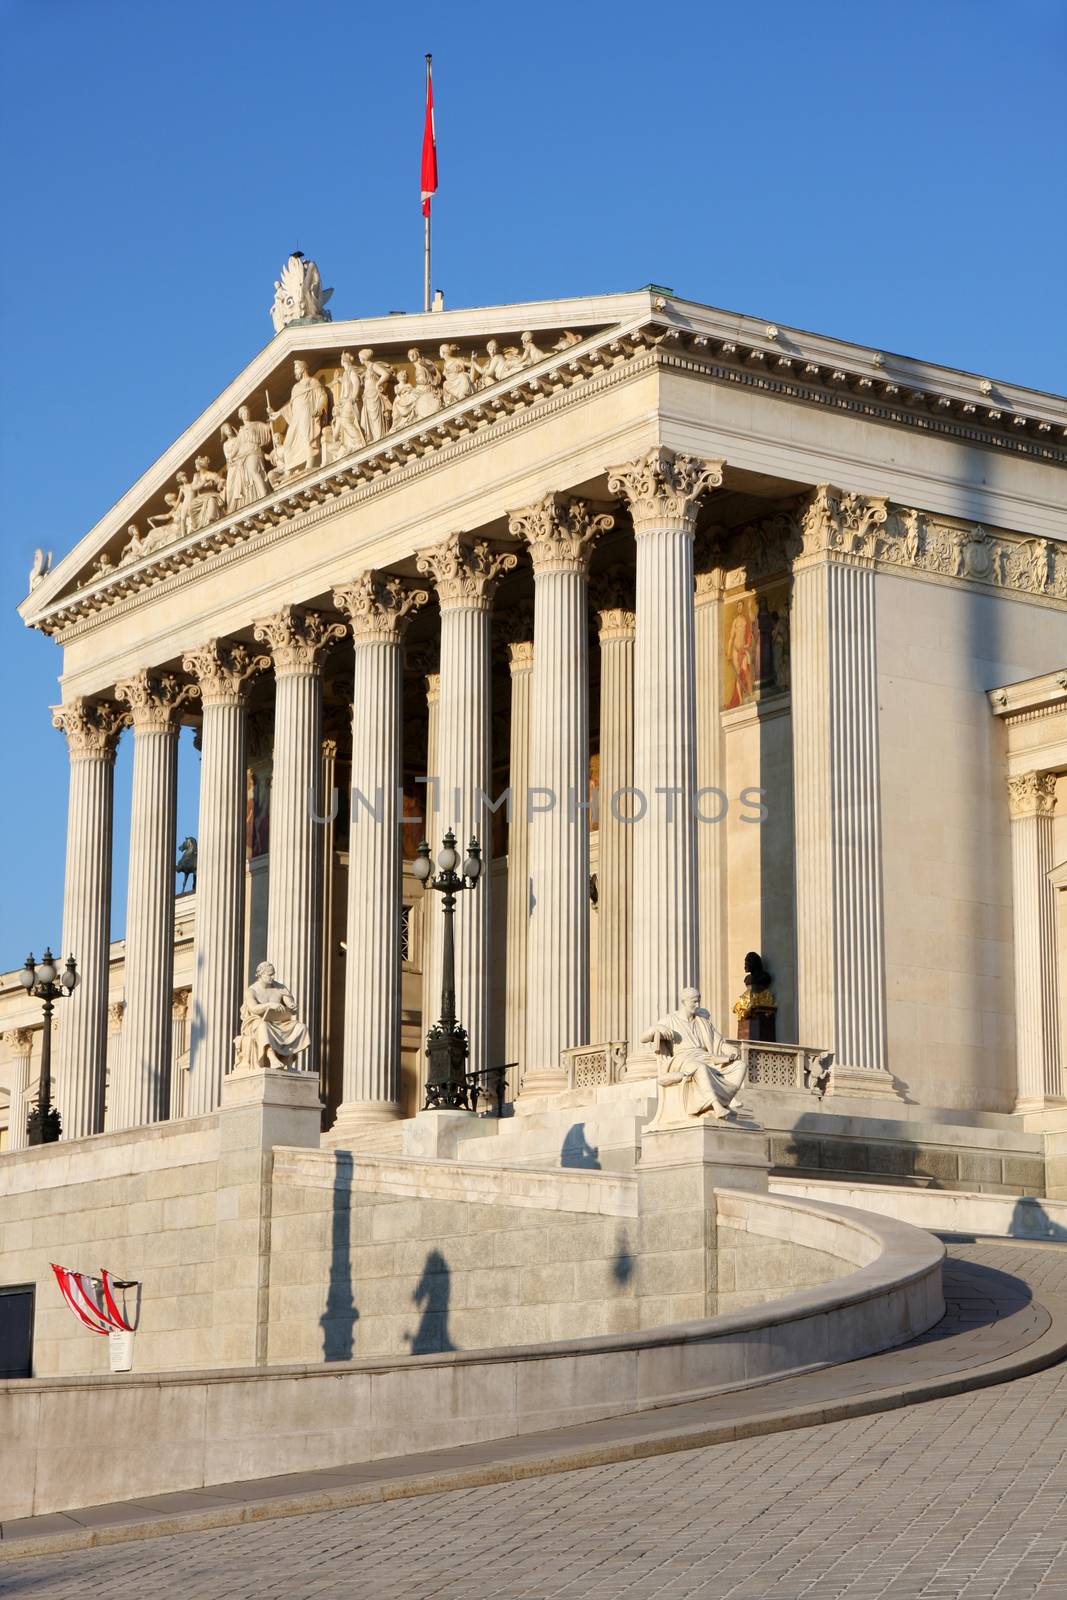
(891,174)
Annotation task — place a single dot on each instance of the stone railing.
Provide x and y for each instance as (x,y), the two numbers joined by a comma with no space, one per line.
(589,1065)
(770,1066)
(786,1066)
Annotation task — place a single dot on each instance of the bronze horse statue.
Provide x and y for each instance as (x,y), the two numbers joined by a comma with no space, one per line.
(186,867)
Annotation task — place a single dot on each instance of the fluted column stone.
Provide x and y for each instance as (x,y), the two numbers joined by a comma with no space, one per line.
(663,491)
(222,670)
(92,732)
(297,640)
(379,608)
(181,1005)
(560,534)
(465,573)
(430,1002)
(837,790)
(520,667)
(711,777)
(20,1043)
(142,1094)
(1039,1070)
(616,625)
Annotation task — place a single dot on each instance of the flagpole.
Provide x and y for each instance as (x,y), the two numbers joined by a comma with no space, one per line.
(426,240)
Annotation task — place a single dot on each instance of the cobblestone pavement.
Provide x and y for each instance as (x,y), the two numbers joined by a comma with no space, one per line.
(958,1499)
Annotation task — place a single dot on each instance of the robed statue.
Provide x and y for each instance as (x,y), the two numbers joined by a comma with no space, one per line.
(272,1034)
(695,1060)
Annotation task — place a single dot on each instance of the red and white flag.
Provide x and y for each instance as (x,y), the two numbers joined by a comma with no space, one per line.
(91,1300)
(429,145)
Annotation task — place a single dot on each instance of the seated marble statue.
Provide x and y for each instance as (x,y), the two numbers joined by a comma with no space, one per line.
(271,1033)
(695,1056)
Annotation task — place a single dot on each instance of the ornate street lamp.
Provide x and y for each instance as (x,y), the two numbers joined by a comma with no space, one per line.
(446,1042)
(44,982)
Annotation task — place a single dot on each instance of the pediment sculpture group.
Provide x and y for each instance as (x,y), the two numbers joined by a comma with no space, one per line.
(364,399)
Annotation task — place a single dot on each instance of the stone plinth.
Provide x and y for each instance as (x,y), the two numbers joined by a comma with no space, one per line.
(680,1169)
(258,1111)
(437,1135)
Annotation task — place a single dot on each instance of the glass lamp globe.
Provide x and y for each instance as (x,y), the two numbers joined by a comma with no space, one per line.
(422,866)
(69,977)
(28,973)
(449,855)
(47,970)
(472,867)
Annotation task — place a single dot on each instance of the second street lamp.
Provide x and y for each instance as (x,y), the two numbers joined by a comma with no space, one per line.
(44,982)
(446,1042)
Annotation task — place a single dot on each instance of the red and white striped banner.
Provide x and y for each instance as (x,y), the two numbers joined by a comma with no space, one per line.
(91,1300)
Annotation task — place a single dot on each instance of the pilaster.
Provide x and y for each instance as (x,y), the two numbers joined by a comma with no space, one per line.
(663,491)
(710,777)
(222,670)
(298,641)
(379,608)
(142,1093)
(1039,1069)
(841,947)
(465,573)
(560,534)
(92,731)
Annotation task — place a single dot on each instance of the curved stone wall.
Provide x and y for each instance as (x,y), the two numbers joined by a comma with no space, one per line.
(166,1431)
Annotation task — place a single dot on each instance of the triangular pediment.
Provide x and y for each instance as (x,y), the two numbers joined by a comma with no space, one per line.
(363,385)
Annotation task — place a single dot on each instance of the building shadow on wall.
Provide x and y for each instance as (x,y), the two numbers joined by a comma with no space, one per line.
(576,1151)
(433,1293)
(338,1320)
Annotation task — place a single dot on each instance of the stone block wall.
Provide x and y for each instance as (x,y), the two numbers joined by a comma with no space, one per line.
(751,1271)
(365,1259)
(144,1205)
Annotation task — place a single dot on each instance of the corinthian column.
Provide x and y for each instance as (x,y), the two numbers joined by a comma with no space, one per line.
(560,534)
(142,1093)
(616,623)
(711,812)
(837,805)
(1039,1072)
(465,573)
(20,1043)
(520,666)
(663,491)
(297,640)
(379,608)
(92,733)
(430,1001)
(222,670)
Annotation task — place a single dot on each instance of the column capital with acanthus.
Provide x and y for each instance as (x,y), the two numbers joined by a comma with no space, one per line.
(664,489)
(379,606)
(19,1040)
(465,571)
(560,532)
(222,670)
(156,700)
(297,639)
(1032,794)
(92,727)
(845,523)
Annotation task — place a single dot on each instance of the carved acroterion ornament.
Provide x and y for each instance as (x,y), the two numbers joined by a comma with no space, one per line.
(298,294)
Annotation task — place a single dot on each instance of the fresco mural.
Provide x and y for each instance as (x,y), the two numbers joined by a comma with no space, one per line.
(755,637)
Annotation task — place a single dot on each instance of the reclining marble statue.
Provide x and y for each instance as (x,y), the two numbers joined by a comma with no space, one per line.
(272,1034)
(700,1072)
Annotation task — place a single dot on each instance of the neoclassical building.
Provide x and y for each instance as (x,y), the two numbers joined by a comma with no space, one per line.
(720,637)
